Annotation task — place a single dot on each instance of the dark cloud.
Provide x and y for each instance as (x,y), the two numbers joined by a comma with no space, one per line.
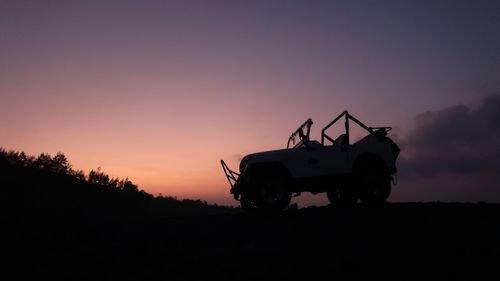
(457,150)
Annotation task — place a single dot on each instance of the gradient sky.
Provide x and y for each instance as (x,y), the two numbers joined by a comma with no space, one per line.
(160,91)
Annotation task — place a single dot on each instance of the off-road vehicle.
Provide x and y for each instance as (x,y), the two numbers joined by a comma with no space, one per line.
(347,172)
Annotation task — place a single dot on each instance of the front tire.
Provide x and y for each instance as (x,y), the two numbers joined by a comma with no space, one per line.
(247,204)
(270,192)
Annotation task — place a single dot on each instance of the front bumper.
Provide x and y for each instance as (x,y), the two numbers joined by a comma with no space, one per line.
(234,180)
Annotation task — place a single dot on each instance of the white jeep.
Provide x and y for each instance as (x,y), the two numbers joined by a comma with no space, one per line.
(346,171)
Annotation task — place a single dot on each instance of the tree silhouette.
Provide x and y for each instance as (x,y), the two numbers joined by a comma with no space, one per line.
(60,164)
(66,190)
(43,161)
(79,174)
(129,186)
(98,177)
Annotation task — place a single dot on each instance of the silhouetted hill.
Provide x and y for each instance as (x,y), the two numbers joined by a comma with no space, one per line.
(48,186)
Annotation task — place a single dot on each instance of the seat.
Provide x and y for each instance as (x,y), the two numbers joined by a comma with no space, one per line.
(341,140)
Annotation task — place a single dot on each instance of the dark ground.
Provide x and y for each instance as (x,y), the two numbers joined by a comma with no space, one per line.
(403,241)
(56,225)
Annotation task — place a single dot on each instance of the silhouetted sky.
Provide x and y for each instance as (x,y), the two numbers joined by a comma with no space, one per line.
(159,91)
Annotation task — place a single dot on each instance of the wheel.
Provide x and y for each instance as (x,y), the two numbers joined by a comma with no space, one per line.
(342,196)
(270,191)
(378,192)
(373,182)
(247,203)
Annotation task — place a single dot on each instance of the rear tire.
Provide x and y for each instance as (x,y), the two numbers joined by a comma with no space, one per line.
(342,196)
(373,182)
(379,193)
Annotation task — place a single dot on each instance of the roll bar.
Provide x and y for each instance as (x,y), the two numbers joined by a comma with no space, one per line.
(376,131)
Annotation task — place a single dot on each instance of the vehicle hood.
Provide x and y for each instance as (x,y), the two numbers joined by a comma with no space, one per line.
(264,156)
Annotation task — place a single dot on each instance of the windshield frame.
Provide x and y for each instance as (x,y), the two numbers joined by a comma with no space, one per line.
(302,132)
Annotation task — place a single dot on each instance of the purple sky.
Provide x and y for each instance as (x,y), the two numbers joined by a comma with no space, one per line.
(159,91)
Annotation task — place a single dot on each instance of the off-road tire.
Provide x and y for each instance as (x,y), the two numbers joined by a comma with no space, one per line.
(373,183)
(270,191)
(247,204)
(343,196)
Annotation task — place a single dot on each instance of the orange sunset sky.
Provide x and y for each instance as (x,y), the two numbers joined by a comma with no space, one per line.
(160,91)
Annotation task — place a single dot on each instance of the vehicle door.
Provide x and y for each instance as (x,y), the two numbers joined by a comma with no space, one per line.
(333,159)
(318,160)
